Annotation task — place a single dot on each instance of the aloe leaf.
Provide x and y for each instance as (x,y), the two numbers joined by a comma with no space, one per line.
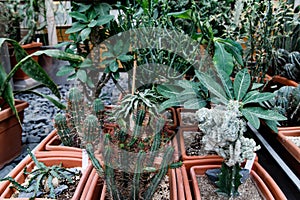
(212,86)
(241,84)
(52,100)
(222,59)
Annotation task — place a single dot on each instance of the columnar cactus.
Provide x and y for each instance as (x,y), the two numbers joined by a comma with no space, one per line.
(223,129)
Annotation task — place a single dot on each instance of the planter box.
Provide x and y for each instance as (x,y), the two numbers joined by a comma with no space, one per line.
(186,157)
(290,146)
(49,160)
(187,117)
(11,133)
(263,180)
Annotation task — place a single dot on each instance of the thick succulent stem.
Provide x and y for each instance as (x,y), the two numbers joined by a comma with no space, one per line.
(135,190)
(75,108)
(140,116)
(63,130)
(161,173)
(95,161)
(229,180)
(90,129)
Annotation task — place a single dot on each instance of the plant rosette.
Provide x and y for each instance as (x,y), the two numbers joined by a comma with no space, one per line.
(50,162)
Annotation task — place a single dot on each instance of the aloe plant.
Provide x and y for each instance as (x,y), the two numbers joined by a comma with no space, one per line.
(242,95)
(32,69)
(43,177)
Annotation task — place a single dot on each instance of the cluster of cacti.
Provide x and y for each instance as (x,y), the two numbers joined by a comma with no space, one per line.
(43,180)
(77,127)
(287,102)
(223,129)
(288,64)
(131,167)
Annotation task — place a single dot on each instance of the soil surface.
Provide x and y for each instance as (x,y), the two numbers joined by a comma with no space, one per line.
(247,190)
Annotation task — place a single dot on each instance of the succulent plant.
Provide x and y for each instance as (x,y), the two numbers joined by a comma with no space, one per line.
(287,102)
(223,128)
(288,64)
(43,179)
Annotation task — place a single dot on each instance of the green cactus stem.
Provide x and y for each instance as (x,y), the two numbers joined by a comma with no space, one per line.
(90,129)
(75,108)
(63,131)
(99,109)
(94,160)
(229,180)
(160,175)
(137,176)
(140,116)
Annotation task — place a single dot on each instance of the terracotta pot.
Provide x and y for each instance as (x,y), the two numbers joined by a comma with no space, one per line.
(68,162)
(95,191)
(29,48)
(11,132)
(289,145)
(53,143)
(183,147)
(182,111)
(268,188)
(275,82)
(289,128)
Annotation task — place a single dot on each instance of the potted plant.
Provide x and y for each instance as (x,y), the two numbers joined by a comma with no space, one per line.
(224,130)
(45,177)
(34,70)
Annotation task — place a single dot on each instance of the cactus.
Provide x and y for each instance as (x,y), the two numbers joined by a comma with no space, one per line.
(67,137)
(137,126)
(98,110)
(137,175)
(75,107)
(223,129)
(90,129)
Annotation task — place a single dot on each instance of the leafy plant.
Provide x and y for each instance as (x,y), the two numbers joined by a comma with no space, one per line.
(241,95)
(223,127)
(32,69)
(41,178)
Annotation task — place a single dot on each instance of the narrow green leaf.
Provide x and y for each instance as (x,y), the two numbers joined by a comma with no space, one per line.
(234,48)
(256,86)
(58,54)
(185,14)
(212,86)
(51,99)
(76,27)
(241,84)
(194,103)
(169,103)
(79,16)
(83,7)
(222,59)
(168,90)
(272,125)
(81,74)
(251,118)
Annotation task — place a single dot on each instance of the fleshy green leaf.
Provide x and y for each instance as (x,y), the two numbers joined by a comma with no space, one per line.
(212,86)
(168,90)
(265,114)
(251,118)
(272,124)
(194,103)
(76,27)
(125,58)
(51,99)
(186,14)
(65,70)
(222,59)
(81,74)
(226,82)
(93,23)
(85,33)
(79,16)
(256,86)
(114,66)
(241,84)
(86,64)
(104,19)
(257,97)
